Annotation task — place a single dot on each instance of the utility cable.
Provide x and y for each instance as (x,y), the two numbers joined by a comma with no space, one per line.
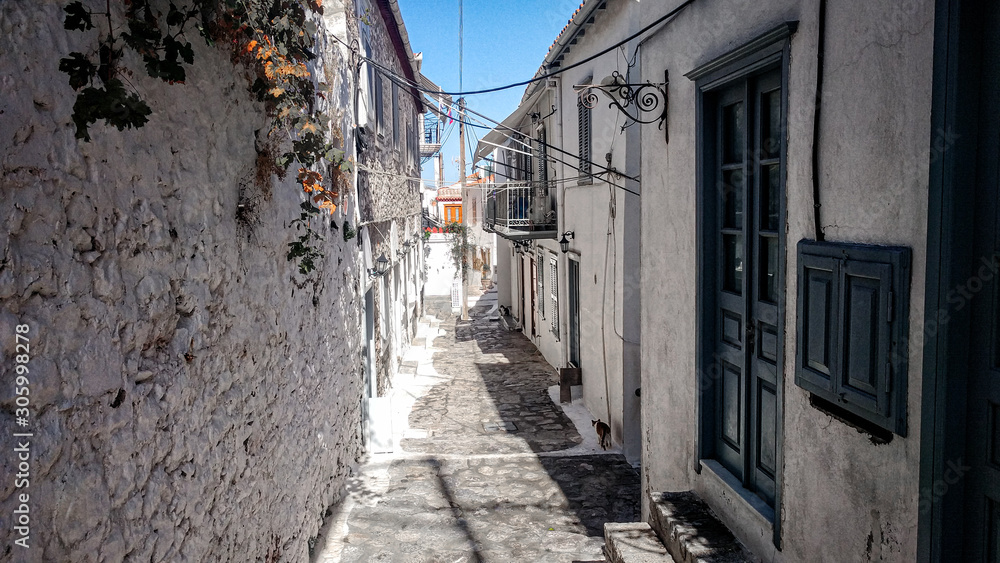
(539,78)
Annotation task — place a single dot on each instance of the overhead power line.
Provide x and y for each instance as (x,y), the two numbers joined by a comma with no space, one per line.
(561,70)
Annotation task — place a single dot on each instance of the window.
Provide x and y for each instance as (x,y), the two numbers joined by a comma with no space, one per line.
(554,293)
(741,127)
(541,286)
(411,146)
(369,86)
(583,122)
(379,105)
(853,317)
(522,159)
(543,161)
(395,115)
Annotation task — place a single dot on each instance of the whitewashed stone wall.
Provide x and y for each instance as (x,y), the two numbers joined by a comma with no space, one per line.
(389,194)
(193,397)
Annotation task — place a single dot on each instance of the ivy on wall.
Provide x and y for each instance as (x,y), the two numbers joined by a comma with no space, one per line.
(272,39)
(460,247)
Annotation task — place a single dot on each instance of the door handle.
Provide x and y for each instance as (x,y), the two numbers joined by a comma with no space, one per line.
(751,334)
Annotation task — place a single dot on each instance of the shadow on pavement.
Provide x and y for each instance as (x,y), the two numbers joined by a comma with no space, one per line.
(496,401)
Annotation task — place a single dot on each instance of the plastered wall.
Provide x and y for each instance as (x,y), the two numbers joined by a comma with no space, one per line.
(192,396)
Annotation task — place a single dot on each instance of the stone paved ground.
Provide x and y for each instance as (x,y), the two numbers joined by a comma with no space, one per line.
(487,467)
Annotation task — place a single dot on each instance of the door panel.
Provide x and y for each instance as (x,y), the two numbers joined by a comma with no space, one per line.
(534,297)
(749,169)
(982,502)
(574,312)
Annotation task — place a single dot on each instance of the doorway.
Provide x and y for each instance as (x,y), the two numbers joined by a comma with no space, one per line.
(574,312)
(960,431)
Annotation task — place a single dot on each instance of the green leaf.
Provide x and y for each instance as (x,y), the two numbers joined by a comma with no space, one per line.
(79,68)
(77,17)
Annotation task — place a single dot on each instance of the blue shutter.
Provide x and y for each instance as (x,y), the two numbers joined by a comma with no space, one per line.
(864,377)
(852,323)
(817,322)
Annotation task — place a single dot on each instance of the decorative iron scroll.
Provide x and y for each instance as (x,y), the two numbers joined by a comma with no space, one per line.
(636,100)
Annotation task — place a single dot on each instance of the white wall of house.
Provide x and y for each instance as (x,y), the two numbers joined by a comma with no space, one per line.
(842,496)
(593,209)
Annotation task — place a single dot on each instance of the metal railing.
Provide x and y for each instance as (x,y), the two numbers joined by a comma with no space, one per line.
(513,209)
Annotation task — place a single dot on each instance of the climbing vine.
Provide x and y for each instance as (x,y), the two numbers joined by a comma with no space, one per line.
(272,39)
(461,246)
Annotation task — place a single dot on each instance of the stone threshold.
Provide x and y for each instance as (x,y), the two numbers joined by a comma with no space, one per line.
(681,529)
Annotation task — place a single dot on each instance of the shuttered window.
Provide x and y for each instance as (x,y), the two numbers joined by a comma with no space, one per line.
(543,161)
(379,109)
(411,158)
(395,115)
(541,286)
(524,162)
(554,293)
(583,121)
(853,317)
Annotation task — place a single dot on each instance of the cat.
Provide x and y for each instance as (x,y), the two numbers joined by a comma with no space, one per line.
(603,433)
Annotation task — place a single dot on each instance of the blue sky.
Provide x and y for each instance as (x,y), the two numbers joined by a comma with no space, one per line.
(505,42)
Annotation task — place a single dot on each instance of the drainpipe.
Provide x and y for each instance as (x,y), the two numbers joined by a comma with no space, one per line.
(820,52)
(557,92)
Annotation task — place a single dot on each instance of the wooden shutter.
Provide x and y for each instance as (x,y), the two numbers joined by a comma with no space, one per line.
(543,171)
(583,120)
(853,319)
(541,286)
(379,109)
(818,297)
(395,114)
(554,292)
(864,375)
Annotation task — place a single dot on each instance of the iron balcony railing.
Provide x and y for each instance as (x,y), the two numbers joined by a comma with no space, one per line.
(519,211)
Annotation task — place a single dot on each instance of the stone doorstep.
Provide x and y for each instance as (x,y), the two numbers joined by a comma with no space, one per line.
(633,542)
(691,532)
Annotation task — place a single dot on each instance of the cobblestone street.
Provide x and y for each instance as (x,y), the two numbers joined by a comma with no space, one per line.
(487,467)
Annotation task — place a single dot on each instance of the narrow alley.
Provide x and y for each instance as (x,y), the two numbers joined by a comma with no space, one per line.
(487,466)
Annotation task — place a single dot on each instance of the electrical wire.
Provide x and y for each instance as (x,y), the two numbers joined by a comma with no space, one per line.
(539,78)
(504,131)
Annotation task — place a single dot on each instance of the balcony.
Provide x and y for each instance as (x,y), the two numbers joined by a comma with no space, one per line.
(520,211)
(430,141)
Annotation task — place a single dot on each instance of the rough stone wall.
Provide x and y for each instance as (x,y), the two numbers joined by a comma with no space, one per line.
(389,189)
(193,397)
(389,177)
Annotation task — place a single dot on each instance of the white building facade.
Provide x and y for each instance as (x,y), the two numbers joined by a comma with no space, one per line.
(818,228)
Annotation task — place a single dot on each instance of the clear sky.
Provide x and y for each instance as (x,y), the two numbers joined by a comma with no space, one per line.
(504,42)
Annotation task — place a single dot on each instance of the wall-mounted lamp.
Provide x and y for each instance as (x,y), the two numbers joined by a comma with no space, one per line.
(563,243)
(381,267)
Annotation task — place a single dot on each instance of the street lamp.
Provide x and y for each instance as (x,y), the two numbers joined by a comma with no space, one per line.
(563,243)
(381,267)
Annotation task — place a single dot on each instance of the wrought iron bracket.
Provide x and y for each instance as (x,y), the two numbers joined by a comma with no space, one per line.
(639,102)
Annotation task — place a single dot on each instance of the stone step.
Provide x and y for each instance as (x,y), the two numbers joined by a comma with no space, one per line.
(633,542)
(691,532)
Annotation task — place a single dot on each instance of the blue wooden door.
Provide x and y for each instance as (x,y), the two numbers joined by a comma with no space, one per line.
(574,312)
(748,172)
(982,495)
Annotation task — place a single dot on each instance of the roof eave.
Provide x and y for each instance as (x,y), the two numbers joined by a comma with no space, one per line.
(401,41)
(498,134)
